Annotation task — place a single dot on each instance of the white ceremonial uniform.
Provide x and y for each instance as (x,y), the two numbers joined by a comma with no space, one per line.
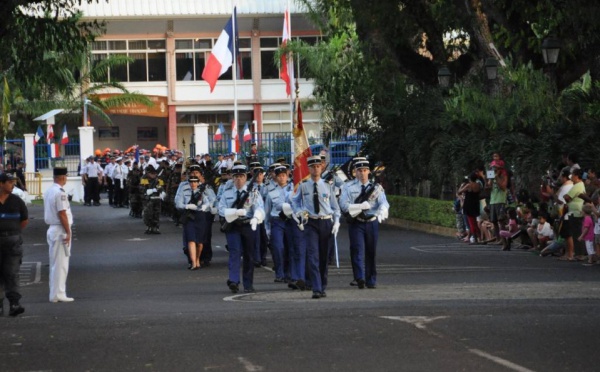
(56,200)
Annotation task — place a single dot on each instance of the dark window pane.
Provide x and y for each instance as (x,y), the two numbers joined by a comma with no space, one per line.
(203,44)
(117,45)
(137,69)
(268,70)
(246,65)
(95,59)
(269,42)
(184,66)
(244,43)
(309,40)
(137,45)
(200,62)
(157,67)
(119,73)
(99,45)
(157,44)
(183,44)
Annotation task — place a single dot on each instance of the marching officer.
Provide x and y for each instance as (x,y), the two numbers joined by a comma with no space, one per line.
(367,206)
(119,176)
(278,219)
(243,211)
(133,183)
(316,199)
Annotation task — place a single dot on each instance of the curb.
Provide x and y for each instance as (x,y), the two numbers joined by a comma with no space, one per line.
(418,226)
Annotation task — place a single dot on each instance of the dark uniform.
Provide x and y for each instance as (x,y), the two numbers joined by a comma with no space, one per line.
(152,190)
(135,197)
(13,217)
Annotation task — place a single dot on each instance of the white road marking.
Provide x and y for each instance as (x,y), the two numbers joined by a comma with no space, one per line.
(30,273)
(502,362)
(420,322)
(249,366)
(135,240)
(417,321)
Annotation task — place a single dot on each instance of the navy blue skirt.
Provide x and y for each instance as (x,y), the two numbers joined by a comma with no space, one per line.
(195,230)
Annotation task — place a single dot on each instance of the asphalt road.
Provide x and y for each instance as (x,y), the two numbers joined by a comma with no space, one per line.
(440,305)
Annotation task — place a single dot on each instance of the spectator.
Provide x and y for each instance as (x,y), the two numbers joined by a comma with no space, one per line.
(498,185)
(511,230)
(587,232)
(573,218)
(486,227)
(471,206)
(544,232)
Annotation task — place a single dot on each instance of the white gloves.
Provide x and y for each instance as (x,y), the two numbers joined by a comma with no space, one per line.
(298,218)
(259,214)
(163,195)
(354,209)
(230,214)
(336,228)
(365,206)
(240,212)
(254,223)
(205,208)
(287,209)
(191,207)
(382,215)
(150,191)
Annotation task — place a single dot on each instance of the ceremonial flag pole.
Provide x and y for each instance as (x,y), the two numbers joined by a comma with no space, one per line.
(287,71)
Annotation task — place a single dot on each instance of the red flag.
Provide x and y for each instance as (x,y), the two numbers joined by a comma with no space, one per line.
(287,62)
(301,148)
(50,133)
(234,136)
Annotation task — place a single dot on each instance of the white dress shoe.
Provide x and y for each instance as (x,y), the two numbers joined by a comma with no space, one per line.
(62,299)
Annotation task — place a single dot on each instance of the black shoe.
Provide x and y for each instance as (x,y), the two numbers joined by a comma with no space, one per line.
(301,285)
(263,263)
(157,231)
(353,283)
(87,204)
(360,283)
(233,286)
(257,264)
(249,290)
(371,286)
(96,204)
(293,285)
(279,280)
(316,295)
(16,309)
(323,294)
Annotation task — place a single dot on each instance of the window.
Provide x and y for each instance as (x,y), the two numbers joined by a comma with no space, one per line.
(270,67)
(191,56)
(149,59)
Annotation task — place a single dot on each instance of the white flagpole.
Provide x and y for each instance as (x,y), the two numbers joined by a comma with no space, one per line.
(234,73)
(293,87)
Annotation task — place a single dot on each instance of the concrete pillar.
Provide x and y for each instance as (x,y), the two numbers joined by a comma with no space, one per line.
(29,153)
(201,138)
(86,143)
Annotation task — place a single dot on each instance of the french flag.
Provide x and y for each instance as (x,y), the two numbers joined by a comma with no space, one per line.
(219,133)
(247,134)
(222,55)
(38,136)
(65,136)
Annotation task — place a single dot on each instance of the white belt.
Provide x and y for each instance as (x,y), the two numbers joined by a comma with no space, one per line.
(328,217)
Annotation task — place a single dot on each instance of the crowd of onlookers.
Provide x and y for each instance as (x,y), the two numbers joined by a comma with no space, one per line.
(560,219)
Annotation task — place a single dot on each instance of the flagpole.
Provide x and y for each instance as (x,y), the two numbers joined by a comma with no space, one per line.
(292,144)
(234,73)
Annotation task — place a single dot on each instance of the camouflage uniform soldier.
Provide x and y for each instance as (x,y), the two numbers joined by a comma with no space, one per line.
(172,186)
(152,189)
(135,197)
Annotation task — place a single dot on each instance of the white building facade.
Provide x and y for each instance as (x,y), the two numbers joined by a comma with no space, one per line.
(170,42)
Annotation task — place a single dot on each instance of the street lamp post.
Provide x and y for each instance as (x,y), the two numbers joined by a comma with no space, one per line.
(550,52)
(444,76)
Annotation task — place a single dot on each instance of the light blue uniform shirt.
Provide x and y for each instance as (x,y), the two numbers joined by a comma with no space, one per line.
(184,195)
(302,200)
(253,201)
(352,190)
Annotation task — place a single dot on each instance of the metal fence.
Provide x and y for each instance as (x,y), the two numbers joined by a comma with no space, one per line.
(69,156)
(274,145)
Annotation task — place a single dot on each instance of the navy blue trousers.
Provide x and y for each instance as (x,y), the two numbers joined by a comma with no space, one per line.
(363,247)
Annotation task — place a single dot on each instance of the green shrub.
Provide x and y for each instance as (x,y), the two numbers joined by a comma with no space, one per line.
(424,210)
